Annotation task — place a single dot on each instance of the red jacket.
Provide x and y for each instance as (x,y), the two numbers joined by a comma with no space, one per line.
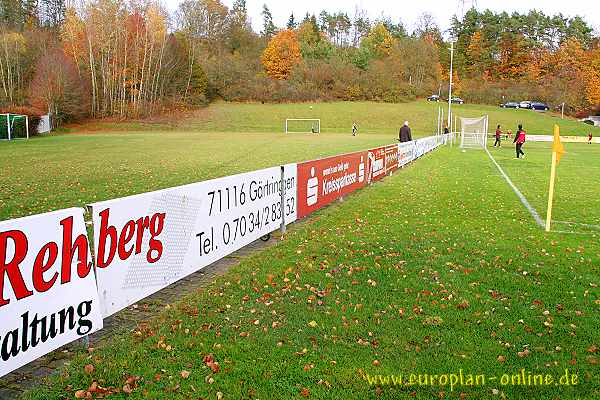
(520,137)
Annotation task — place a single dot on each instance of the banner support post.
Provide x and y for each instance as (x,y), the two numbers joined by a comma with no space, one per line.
(282,191)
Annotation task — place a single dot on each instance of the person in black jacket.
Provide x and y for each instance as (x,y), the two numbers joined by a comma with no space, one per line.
(404,135)
(520,138)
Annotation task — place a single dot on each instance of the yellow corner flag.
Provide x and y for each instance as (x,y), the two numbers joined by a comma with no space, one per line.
(557,146)
(558,149)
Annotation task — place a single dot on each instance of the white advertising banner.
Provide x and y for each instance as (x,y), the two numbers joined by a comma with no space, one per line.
(419,148)
(48,294)
(406,153)
(146,242)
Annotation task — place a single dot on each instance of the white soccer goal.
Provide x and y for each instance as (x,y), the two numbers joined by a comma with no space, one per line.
(474,132)
(14,126)
(302,125)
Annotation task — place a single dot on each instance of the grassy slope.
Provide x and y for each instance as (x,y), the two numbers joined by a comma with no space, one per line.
(69,170)
(338,117)
(436,269)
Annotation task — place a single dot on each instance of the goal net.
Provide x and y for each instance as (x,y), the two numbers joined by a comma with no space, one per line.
(302,125)
(14,126)
(474,132)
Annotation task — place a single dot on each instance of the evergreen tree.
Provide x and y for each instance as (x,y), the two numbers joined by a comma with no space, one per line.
(291,25)
(269,27)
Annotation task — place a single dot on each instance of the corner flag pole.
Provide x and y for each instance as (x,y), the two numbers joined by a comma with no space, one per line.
(557,152)
(551,192)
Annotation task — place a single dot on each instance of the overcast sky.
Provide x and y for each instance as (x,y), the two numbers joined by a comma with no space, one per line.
(409,10)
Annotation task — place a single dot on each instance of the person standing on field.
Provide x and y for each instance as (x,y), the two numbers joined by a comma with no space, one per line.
(354,129)
(405,135)
(520,140)
(590,137)
(498,134)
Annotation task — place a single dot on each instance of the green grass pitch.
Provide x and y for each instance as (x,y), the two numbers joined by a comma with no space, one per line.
(436,270)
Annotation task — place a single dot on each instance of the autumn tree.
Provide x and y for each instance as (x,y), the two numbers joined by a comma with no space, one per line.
(120,50)
(52,13)
(58,88)
(514,57)
(281,55)
(203,22)
(13,49)
(239,32)
(427,29)
(361,26)
(475,52)
(313,44)
(12,14)
(593,88)
(379,42)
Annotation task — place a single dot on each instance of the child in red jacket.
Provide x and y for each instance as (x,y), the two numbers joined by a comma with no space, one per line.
(520,140)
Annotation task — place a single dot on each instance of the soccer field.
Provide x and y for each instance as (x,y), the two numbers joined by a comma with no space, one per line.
(439,270)
(436,271)
(101,160)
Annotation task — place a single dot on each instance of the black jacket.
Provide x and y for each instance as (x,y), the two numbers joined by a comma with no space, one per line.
(404,135)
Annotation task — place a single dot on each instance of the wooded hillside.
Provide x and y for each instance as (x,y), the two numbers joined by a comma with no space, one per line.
(125,59)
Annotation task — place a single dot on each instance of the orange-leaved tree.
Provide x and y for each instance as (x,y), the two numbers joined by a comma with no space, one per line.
(282,54)
(592,78)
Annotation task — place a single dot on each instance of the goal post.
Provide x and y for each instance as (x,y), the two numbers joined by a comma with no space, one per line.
(474,132)
(302,125)
(14,126)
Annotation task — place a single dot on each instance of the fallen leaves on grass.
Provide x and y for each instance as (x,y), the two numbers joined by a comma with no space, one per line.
(433,321)
(209,361)
(523,353)
(463,305)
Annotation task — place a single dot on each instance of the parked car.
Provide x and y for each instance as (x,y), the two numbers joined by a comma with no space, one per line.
(510,104)
(434,97)
(458,100)
(536,105)
(525,104)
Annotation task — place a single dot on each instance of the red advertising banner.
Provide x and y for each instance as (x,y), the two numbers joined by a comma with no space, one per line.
(391,158)
(322,181)
(376,167)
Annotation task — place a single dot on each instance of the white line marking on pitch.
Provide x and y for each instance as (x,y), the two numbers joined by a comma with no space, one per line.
(592,226)
(528,206)
(575,233)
